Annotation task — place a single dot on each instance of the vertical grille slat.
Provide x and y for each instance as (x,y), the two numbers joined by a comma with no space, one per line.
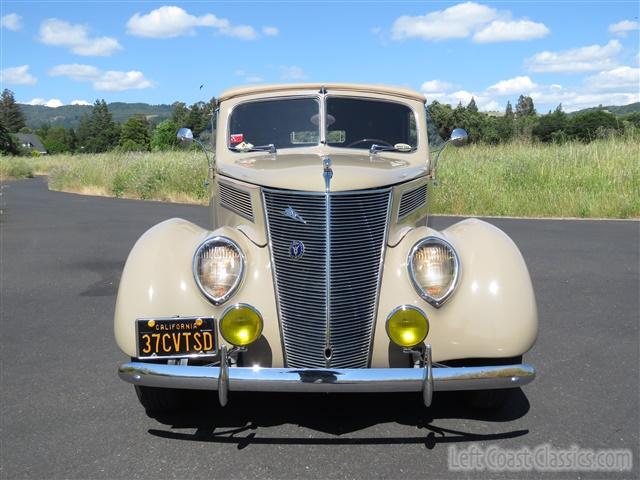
(358,230)
(236,200)
(411,200)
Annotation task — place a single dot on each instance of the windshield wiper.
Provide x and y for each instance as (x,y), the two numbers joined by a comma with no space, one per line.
(271,148)
(398,147)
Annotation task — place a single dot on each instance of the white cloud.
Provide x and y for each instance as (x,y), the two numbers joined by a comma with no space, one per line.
(469,19)
(576,99)
(172,21)
(584,59)
(76,37)
(435,86)
(483,102)
(506,31)
(75,71)
(619,78)
(115,81)
(11,21)
(458,21)
(109,81)
(17,76)
(516,85)
(270,31)
(52,103)
(292,72)
(80,102)
(623,27)
(249,77)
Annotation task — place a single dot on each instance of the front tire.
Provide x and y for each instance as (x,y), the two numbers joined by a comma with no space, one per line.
(158,401)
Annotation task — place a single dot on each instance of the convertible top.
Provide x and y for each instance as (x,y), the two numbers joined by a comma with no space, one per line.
(384,89)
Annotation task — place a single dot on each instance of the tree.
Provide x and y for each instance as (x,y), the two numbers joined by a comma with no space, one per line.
(472,107)
(508,112)
(442,115)
(57,140)
(524,107)
(587,126)
(98,132)
(7,145)
(164,136)
(134,135)
(10,114)
(180,114)
(551,127)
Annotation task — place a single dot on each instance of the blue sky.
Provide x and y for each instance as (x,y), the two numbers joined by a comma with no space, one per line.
(578,53)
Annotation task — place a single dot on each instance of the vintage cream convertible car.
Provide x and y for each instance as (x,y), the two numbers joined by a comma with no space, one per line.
(319,272)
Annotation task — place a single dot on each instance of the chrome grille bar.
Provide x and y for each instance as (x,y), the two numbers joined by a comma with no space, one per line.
(236,200)
(412,200)
(328,297)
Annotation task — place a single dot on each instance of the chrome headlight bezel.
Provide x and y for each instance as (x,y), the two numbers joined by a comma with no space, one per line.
(194,267)
(439,301)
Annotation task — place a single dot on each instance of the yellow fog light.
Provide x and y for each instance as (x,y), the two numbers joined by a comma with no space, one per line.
(241,325)
(407,326)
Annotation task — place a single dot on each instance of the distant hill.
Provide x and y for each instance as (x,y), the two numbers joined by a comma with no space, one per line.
(69,115)
(615,109)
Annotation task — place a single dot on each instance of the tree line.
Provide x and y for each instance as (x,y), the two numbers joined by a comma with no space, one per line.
(98,132)
(524,124)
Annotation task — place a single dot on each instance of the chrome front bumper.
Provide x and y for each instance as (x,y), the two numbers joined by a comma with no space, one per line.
(426,379)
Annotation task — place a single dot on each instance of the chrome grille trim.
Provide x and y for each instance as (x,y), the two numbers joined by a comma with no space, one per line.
(411,200)
(329,297)
(236,200)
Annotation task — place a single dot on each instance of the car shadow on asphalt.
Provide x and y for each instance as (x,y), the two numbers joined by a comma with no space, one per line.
(248,416)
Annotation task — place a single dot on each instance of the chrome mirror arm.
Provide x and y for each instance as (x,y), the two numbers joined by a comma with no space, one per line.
(458,138)
(185,136)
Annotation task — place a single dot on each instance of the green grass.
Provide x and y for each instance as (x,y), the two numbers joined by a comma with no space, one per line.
(600,179)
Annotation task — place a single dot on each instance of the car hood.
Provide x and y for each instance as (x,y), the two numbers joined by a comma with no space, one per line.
(304,171)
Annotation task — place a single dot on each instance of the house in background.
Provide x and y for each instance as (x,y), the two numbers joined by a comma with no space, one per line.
(31,142)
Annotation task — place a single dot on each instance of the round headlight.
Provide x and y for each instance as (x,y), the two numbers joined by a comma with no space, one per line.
(434,269)
(407,326)
(218,266)
(241,325)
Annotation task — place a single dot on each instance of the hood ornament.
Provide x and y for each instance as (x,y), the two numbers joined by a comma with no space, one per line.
(328,173)
(292,214)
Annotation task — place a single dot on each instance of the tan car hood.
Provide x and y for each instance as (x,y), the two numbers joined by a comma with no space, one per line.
(296,171)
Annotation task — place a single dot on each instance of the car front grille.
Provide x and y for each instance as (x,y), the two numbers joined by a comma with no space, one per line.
(327,298)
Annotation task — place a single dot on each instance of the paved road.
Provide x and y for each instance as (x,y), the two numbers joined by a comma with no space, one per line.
(65,414)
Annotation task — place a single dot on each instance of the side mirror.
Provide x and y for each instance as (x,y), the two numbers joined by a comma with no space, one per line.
(185,136)
(459,137)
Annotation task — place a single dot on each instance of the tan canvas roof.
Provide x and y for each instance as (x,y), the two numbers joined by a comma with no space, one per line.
(385,89)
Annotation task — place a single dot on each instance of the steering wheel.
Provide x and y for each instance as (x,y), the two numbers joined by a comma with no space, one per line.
(377,141)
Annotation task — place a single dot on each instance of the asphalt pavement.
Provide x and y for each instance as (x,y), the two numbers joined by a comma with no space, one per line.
(66,414)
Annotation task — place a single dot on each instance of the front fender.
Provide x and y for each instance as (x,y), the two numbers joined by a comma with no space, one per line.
(492,312)
(157,281)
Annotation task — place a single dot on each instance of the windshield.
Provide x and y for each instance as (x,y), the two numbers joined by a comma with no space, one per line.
(360,123)
(435,140)
(350,123)
(285,123)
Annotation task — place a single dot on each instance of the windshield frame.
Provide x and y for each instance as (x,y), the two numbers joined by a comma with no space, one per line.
(414,148)
(321,98)
(317,97)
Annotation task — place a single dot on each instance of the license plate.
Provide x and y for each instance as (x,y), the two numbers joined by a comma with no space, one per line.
(176,337)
